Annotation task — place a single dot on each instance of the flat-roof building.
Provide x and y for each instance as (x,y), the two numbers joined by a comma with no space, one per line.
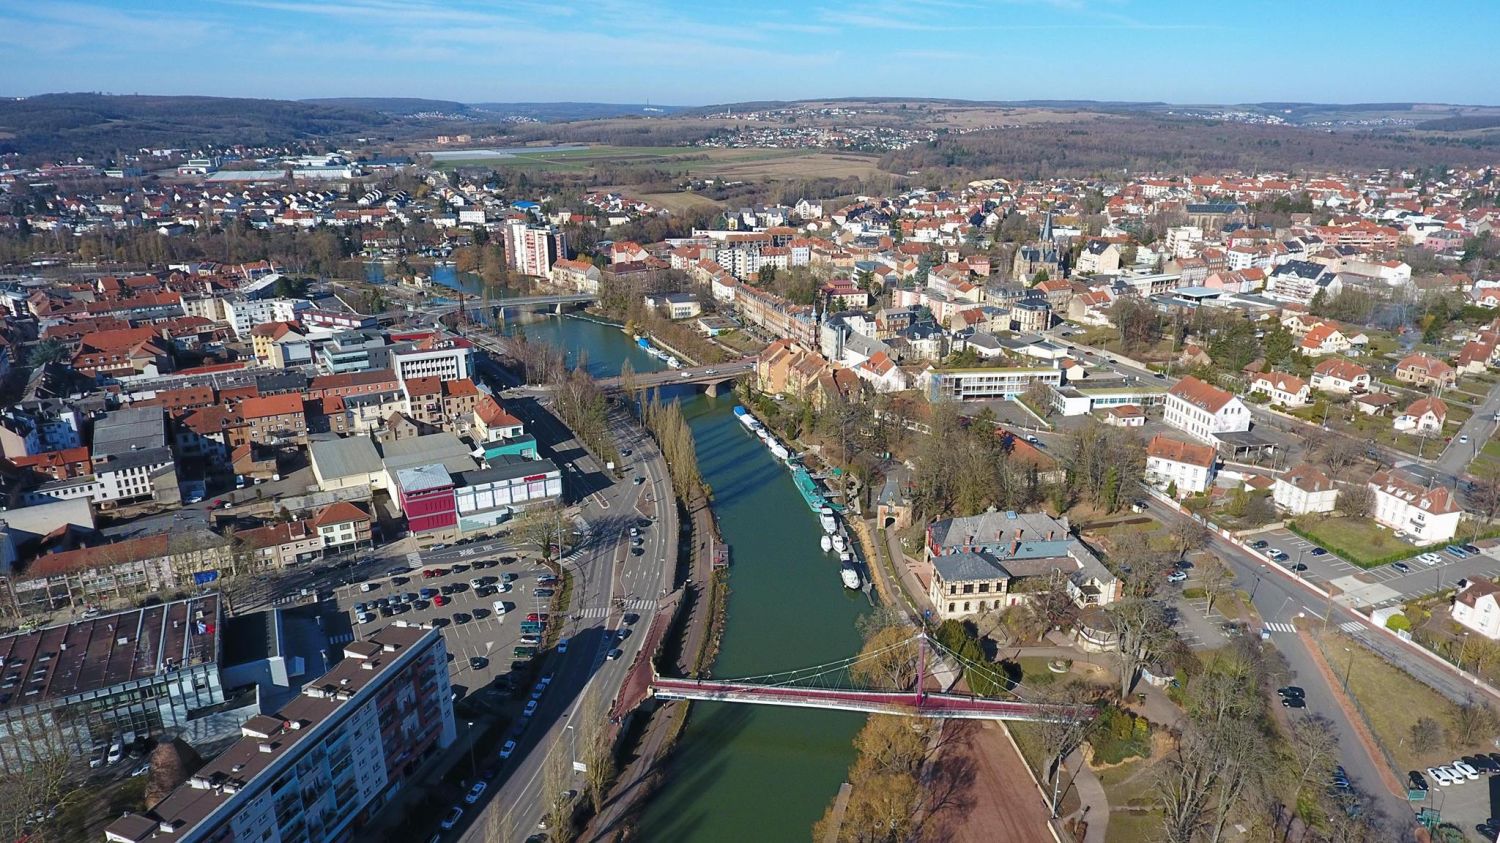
(327,761)
(73,688)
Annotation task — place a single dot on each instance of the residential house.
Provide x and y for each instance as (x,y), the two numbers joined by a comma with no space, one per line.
(1171,461)
(1425,416)
(1340,375)
(580,276)
(1477,606)
(1428,514)
(281,545)
(1304,489)
(1282,388)
(1323,338)
(1424,370)
(341,526)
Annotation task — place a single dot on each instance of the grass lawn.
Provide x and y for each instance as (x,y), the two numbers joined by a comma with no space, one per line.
(1034,671)
(1359,540)
(1131,790)
(1391,700)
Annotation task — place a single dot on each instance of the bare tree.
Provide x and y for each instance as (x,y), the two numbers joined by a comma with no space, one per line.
(1214,577)
(1339,454)
(1313,744)
(542,526)
(1356,500)
(1185,785)
(1059,738)
(1426,735)
(555,812)
(1475,717)
(1188,535)
(1141,628)
(888,659)
(44,781)
(596,746)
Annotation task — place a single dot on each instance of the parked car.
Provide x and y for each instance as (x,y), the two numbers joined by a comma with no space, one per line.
(1259,544)
(530,708)
(1402,567)
(1456,551)
(562,646)
(1442,775)
(1430,558)
(1177,576)
(475,792)
(1472,548)
(615,654)
(1467,770)
(1318,551)
(453,817)
(507,750)
(1417,780)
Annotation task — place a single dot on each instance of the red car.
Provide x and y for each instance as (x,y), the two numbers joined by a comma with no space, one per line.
(537,616)
(429,573)
(439,600)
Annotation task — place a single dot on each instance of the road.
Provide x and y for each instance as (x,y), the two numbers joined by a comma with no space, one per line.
(607,577)
(1280,601)
(1461,450)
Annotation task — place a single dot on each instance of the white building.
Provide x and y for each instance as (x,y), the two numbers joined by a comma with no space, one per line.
(244,314)
(1304,489)
(1429,516)
(1190,466)
(1342,376)
(448,358)
(1282,388)
(1477,607)
(1202,410)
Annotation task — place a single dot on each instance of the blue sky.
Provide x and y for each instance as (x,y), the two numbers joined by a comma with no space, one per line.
(696,53)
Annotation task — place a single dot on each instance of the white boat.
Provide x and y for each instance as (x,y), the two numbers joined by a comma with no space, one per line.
(849,576)
(827,543)
(839,544)
(674,363)
(846,557)
(749,421)
(778,450)
(761,432)
(825,517)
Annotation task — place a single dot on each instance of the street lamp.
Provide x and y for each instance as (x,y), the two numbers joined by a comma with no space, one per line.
(1348,665)
(472,770)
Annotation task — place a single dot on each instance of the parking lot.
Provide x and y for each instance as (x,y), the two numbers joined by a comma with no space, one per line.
(1466,804)
(480,640)
(1383,585)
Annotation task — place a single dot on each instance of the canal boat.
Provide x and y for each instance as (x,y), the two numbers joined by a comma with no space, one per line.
(779,450)
(850,575)
(827,543)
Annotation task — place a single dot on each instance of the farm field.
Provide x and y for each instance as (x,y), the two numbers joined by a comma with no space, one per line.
(743,164)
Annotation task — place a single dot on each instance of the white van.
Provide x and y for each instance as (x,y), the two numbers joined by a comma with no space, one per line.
(499,608)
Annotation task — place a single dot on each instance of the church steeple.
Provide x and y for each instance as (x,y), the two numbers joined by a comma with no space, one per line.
(1047,226)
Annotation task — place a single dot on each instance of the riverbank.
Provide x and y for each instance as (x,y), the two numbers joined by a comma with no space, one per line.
(696,646)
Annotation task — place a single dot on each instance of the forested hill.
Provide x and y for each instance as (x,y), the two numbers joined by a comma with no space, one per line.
(86,124)
(1147,144)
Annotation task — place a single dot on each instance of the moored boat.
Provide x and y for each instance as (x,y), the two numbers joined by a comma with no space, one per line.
(825,517)
(850,576)
(827,543)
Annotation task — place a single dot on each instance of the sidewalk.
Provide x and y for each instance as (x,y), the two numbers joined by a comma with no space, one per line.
(1356,720)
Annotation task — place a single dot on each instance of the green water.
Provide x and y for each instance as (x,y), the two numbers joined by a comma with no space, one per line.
(750,773)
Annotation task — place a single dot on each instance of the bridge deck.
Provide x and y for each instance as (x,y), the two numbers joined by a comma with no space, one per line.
(890,702)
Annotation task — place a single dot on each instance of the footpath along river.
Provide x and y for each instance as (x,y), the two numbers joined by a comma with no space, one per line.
(742,772)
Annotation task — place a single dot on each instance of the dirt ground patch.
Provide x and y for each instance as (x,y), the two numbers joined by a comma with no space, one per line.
(982,790)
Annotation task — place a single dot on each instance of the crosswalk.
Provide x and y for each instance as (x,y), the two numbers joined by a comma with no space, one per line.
(636,605)
(1351,627)
(341,638)
(1280,627)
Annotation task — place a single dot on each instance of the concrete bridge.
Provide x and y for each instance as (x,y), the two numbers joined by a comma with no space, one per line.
(497,308)
(711,378)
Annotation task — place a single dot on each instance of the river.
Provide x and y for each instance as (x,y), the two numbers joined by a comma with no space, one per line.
(742,772)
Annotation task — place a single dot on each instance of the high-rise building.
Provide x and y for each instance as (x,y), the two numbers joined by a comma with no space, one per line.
(327,761)
(532,249)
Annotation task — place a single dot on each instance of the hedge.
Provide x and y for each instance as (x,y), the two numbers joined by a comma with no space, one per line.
(1398,623)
